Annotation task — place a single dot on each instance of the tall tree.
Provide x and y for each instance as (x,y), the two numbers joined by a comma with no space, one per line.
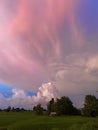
(38,109)
(51,106)
(64,106)
(90,106)
(8,109)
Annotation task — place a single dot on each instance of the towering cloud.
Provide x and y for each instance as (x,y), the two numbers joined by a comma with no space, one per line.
(20,98)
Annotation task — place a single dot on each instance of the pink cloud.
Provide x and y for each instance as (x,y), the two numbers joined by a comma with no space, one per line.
(31,39)
(38,23)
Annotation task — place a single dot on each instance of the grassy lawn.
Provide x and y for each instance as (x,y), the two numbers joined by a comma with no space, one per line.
(29,121)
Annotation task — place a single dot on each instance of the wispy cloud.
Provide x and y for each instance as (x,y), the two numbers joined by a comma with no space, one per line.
(47,40)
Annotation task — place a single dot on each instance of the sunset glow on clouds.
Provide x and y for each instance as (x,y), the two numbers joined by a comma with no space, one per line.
(49,41)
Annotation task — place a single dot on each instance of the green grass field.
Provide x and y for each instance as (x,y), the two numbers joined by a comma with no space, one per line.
(29,121)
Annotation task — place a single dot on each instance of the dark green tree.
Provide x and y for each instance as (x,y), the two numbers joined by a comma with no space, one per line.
(38,109)
(51,106)
(64,106)
(90,106)
(8,109)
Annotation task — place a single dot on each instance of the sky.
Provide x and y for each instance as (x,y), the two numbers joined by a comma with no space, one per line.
(48,48)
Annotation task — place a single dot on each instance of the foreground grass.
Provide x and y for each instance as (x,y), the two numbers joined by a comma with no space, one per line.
(29,121)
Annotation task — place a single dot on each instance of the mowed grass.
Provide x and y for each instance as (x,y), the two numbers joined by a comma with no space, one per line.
(30,121)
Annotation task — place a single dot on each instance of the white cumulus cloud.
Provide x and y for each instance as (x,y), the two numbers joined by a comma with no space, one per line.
(21,99)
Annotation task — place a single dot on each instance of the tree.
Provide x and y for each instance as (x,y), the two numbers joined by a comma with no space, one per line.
(64,106)
(17,109)
(8,109)
(51,106)
(38,109)
(90,106)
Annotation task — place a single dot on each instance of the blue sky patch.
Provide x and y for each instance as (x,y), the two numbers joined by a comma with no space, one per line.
(6,91)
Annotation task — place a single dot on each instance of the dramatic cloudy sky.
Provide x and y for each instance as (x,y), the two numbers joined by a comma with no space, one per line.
(49,48)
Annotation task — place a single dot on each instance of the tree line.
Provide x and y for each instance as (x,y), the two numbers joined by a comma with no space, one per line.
(63,106)
(12,109)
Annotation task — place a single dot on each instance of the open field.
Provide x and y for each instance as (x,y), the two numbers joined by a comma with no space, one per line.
(29,121)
